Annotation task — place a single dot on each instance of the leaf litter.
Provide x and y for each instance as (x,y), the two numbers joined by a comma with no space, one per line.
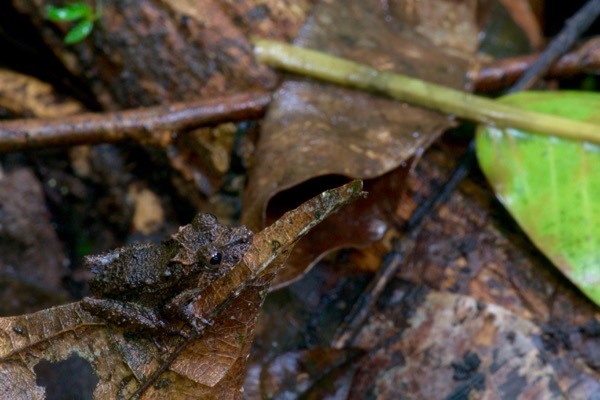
(562,305)
(210,365)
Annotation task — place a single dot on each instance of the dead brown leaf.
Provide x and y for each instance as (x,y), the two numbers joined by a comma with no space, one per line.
(313,130)
(211,365)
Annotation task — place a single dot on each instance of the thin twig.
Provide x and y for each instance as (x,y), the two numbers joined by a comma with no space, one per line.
(362,308)
(499,74)
(151,125)
(460,172)
(421,93)
(561,43)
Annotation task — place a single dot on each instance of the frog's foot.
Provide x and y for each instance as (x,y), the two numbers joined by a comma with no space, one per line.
(131,316)
(197,322)
(181,308)
(161,347)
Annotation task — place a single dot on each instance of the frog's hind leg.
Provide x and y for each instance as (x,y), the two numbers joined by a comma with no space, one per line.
(129,315)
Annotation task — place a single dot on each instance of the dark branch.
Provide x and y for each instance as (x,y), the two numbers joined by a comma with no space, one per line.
(497,75)
(574,27)
(150,125)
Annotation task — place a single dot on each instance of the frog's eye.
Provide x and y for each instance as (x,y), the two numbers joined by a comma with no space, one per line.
(216,259)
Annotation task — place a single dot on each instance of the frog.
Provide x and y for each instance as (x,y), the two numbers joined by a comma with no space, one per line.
(148,287)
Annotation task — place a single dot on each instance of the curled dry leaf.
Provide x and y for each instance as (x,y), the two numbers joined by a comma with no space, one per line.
(315,132)
(210,364)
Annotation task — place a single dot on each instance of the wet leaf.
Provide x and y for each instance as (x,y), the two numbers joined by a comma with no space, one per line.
(551,185)
(208,366)
(319,135)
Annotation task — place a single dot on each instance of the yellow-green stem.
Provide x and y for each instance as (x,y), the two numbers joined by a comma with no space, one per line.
(415,91)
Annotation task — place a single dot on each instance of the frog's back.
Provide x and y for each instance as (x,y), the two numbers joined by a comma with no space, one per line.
(125,270)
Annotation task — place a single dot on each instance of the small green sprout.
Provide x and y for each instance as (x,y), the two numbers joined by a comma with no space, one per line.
(75,12)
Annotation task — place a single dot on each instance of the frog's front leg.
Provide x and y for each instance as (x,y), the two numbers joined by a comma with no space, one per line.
(181,308)
(129,315)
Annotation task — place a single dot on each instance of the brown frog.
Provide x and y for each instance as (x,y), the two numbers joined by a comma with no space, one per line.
(149,287)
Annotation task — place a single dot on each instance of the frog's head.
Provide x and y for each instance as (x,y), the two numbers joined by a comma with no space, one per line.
(206,245)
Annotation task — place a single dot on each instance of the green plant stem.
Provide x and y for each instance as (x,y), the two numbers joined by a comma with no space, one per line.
(415,91)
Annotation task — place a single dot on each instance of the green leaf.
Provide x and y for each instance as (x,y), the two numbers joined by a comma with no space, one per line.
(70,12)
(551,186)
(79,32)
